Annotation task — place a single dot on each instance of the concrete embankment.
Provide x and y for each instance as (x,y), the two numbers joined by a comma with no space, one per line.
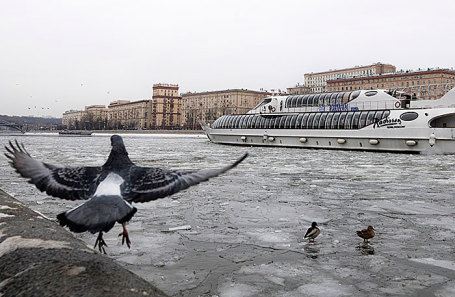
(40,258)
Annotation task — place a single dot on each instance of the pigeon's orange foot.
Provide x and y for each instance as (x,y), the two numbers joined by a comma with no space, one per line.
(125,237)
(101,243)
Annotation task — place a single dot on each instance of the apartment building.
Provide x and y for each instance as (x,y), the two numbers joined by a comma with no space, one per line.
(208,106)
(166,107)
(317,82)
(426,84)
(72,119)
(124,114)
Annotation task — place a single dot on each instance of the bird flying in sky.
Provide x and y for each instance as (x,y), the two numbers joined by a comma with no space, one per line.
(110,189)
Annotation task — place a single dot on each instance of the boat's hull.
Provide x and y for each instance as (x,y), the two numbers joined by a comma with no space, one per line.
(417,140)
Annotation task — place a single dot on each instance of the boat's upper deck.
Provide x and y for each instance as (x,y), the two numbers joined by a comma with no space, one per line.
(335,101)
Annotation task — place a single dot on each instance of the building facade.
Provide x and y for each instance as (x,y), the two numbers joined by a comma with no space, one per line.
(166,107)
(123,114)
(298,90)
(317,82)
(96,117)
(208,106)
(427,84)
(72,119)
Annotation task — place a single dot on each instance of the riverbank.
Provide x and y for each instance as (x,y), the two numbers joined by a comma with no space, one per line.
(132,131)
(40,258)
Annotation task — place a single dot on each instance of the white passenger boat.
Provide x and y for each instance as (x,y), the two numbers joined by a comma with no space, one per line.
(369,120)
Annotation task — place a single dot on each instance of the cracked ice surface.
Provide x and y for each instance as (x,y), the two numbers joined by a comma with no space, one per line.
(247,225)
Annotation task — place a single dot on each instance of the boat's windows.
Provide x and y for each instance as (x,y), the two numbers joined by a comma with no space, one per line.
(354,95)
(266,100)
(316,100)
(310,100)
(282,122)
(316,120)
(370,118)
(304,121)
(363,118)
(322,100)
(241,122)
(288,99)
(378,116)
(298,122)
(256,122)
(286,122)
(221,124)
(355,120)
(370,93)
(253,120)
(409,116)
(237,122)
(328,120)
(333,98)
(347,121)
(245,121)
(293,120)
(273,123)
(334,124)
(290,102)
(262,123)
(305,100)
(386,114)
(223,121)
(269,122)
(216,123)
(248,122)
(322,120)
(346,97)
(310,121)
(227,123)
(339,98)
(233,122)
(299,101)
(341,124)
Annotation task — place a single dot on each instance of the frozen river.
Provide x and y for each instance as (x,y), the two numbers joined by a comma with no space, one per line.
(247,225)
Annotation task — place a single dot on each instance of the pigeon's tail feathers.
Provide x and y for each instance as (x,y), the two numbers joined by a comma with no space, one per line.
(98,214)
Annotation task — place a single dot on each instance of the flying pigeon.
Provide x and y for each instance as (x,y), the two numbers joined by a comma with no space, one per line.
(110,189)
(312,232)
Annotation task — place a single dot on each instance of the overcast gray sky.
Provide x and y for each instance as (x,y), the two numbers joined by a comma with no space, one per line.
(60,55)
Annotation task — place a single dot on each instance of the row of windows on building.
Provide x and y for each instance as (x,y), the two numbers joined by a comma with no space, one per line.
(310,120)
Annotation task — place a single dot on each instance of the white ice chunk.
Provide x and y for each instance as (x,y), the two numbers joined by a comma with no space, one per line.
(236,290)
(440,263)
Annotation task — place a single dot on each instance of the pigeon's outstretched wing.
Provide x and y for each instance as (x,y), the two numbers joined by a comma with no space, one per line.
(145,184)
(72,183)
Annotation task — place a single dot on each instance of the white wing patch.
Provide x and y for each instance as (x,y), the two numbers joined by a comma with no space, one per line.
(110,185)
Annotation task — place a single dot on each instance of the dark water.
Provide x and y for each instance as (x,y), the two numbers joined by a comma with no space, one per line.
(247,225)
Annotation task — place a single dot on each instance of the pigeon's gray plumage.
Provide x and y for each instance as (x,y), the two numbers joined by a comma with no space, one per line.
(110,188)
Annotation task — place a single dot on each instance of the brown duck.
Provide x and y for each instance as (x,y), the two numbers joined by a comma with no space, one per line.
(366,234)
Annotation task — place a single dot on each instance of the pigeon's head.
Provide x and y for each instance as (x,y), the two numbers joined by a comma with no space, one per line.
(118,157)
(116,141)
